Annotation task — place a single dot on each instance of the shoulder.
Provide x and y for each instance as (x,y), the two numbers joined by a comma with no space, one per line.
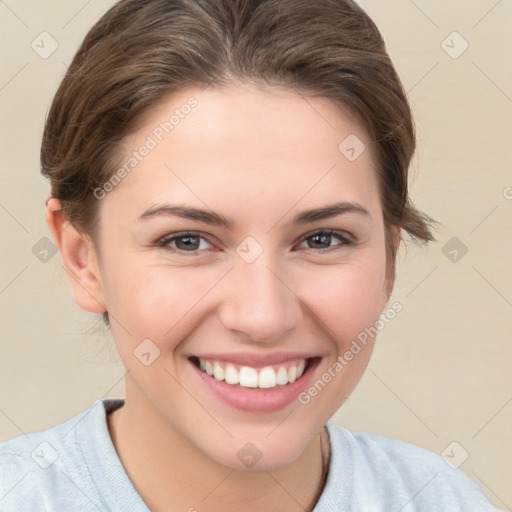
(390,472)
(379,451)
(46,467)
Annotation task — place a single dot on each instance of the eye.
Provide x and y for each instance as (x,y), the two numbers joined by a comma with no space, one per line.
(321,240)
(184,242)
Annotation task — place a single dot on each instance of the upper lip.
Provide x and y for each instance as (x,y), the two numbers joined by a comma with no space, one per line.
(256,360)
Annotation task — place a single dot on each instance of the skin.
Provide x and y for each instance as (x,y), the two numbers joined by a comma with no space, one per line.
(257,156)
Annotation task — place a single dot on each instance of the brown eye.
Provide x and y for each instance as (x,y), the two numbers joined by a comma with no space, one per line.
(183,242)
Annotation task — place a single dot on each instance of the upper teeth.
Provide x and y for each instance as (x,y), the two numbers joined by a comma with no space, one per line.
(246,376)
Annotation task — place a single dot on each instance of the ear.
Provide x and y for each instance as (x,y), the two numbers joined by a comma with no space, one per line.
(79,258)
(389,281)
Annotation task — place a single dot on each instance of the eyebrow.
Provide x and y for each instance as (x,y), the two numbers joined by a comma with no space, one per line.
(216,219)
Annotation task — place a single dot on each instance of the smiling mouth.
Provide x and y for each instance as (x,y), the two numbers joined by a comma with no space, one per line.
(268,377)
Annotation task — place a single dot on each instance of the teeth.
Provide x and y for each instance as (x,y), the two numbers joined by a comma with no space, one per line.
(267,378)
(218,372)
(232,376)
(248,377)
(282,376)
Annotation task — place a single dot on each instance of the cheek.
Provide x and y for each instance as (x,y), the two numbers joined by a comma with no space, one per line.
(346,298)
(158,302)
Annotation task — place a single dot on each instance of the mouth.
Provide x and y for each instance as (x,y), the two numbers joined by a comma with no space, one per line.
(248,377)
(252,385)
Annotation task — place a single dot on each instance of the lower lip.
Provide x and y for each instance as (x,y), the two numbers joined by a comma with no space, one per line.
(256,399)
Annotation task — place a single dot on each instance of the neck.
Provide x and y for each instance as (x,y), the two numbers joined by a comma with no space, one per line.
(170,473)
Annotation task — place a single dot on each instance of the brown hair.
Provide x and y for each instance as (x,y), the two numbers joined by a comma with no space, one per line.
(141,51)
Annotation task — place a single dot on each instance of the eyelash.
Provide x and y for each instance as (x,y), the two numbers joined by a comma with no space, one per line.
(166,240)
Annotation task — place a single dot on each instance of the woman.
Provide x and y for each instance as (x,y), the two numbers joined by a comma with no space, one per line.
(229,189)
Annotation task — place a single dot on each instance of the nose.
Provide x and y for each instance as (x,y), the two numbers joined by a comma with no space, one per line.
(259,303)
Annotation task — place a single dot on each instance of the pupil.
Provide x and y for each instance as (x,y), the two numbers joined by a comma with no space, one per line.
(187,245)
(324,237)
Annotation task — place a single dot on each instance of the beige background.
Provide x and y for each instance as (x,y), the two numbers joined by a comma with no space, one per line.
(441,369)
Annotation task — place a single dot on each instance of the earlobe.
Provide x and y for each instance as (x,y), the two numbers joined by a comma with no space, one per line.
(79,258)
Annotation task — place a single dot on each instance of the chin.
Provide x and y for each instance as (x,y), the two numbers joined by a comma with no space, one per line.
(261,451)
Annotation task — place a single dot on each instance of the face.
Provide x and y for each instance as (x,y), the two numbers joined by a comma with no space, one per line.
(254,289)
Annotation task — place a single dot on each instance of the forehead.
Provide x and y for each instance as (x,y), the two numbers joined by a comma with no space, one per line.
(242,143)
